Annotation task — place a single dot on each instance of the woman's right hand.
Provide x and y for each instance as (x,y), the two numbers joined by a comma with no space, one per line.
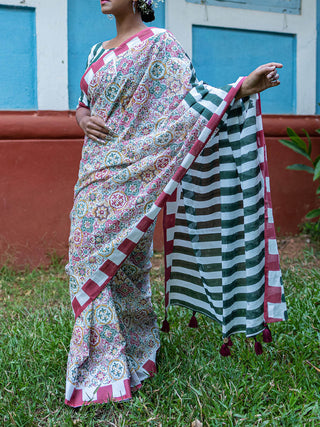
(94,127)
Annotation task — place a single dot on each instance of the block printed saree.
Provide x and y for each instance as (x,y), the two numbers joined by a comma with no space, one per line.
(179,144)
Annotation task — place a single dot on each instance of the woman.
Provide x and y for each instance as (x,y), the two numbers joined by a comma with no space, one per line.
(156,137)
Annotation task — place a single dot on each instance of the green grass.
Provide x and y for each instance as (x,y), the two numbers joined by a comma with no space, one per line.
(278,388)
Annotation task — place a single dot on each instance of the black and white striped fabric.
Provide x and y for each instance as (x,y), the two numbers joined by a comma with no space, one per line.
(217,265)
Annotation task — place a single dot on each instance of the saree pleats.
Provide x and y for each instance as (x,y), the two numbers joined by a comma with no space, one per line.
(115,339)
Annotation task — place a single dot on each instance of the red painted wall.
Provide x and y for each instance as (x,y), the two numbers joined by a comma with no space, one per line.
(39,158)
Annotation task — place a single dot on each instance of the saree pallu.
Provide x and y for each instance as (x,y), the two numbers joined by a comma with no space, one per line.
(177,143)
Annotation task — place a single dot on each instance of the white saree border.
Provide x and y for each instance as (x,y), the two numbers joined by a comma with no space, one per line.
(274,306)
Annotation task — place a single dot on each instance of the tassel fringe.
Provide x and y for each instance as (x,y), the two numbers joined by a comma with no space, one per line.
(227,342)
(225,350)
(258,347)
(266,335)
(193,321)
(165,326)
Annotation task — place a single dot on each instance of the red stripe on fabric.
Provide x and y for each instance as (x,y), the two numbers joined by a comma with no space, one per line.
(170,221)
(161,199)
(167,272)
(258,107)
(82,307)
(273,261)
(197,147)
(91,288)
(180,173)
(75,399)
(109,268)
(166,297)
(275,294)
(127,246)
(273,319)
(173,196)
(144,224)
(121,49)
(168,247)
(75,306)
(150,367)
(82,105)
(127,387)
(84,84)
(104,394)
(260,138)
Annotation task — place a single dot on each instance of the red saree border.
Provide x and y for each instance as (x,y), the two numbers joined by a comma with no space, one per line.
(93,286)
(273,294)
(105,394)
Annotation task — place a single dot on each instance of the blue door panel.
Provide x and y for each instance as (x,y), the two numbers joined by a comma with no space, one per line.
(221,55)
(18,59)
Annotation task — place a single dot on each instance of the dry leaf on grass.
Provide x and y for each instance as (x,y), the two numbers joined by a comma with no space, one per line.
(196,423)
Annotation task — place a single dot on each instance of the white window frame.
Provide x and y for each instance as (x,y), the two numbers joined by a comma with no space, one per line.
(52,51)
(181,16)
(278,6)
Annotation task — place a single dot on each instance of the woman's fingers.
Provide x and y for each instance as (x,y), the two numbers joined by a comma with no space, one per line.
(275,64)
(96,129)
(96,123)
(96,136)
(268,68)
(270,72)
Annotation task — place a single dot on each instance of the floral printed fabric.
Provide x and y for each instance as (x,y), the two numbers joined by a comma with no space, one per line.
(139,90)
(115,340)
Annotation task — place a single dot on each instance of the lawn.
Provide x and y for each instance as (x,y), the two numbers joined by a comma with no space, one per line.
(281,387)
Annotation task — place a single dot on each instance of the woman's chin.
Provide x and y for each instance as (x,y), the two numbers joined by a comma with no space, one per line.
(105,10)
(105,6)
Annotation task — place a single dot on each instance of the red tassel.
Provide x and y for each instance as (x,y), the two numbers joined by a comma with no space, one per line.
(230,343)
(193,321)
(165,326)
(224,350)
(266,335)
(258,347)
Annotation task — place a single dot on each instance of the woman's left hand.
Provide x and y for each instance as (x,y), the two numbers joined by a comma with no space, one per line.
(260,79)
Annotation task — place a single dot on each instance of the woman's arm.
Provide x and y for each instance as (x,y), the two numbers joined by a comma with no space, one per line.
(262,78)
(93,126)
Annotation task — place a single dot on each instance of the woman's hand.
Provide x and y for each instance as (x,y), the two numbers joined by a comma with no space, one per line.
(260,79)
(93,126)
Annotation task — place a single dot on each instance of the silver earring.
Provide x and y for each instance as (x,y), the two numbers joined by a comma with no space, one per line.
(133,8)
(110,17)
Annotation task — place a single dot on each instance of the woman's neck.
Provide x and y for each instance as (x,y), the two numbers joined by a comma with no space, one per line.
(127,26)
